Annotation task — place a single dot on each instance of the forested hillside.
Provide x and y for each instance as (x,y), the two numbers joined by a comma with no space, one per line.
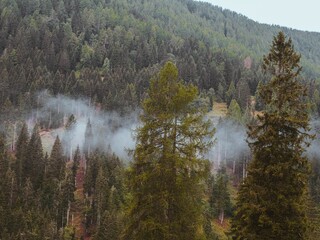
(107,50)
(127,119)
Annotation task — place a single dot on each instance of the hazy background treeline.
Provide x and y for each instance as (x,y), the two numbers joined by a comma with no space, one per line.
(108,50)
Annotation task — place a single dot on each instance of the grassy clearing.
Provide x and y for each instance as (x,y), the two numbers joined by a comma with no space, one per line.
(218,110)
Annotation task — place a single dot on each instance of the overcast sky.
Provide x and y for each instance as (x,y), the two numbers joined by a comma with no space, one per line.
(302,15)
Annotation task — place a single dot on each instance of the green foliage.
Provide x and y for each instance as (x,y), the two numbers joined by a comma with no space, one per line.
(69,233)
(220,203)
(272,200)
(107,51)
(104,188)
(76,163)
(55,168)
(21,154)
(243,93)
(166,177)
(28,196)
(315,180)
(234,112)
(110,227)
(34,159)
(115,47)
(231,93)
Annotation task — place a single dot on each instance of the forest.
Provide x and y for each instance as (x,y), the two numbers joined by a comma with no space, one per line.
(145,119)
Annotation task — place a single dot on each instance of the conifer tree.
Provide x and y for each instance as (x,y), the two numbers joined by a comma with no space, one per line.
(88,139)
(64,198)
(68,136)
(110,226)
(75,165)
(231,93)
(271,202)
(4,167)
(167,175)
(220,198)
(101,193)
(21,155)
(234,111)
(35,159)
(56,163)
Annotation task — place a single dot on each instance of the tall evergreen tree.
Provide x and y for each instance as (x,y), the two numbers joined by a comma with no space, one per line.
(272,200)
(4,163)
(56,163)
(234,112)
(21,155)
(167,175)
(75,164)
(220,199)
(87,148)
(35,158)
(68,136)
(110,227)
(4,166)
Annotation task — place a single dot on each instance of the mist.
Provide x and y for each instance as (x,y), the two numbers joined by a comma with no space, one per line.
(230,144)
(114,132)
(313,151)
(110,130)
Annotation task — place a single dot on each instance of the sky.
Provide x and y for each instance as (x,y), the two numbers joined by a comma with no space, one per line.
(296,14)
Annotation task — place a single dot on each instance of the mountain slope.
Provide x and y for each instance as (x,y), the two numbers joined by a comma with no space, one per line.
(107,50)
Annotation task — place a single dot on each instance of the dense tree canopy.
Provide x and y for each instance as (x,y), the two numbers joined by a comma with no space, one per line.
(272,200)
(166,177)
(106,51)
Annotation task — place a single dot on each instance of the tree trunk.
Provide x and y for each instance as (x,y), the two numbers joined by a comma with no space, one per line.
(221,217)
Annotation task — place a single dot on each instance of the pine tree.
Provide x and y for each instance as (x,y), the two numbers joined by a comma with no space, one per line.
(21,155)
(69,135)
(4,167)
(110,226)
(243,93)
(87,148)
(35,159)
(234,112)
(75,165)
(271,202)
(167,175)
(315,180)
(231,93)
(4,161)
(56,163)
(101,194)
(66,196)
(220,198)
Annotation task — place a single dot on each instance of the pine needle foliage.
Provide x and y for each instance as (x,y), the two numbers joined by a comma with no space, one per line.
(166,179)
(271,202)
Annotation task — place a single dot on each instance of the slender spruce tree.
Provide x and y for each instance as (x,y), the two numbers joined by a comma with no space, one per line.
(76,164)
(56,164)
(21,155)
(166,179)
(35,160)
(87,148)
(271,202)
